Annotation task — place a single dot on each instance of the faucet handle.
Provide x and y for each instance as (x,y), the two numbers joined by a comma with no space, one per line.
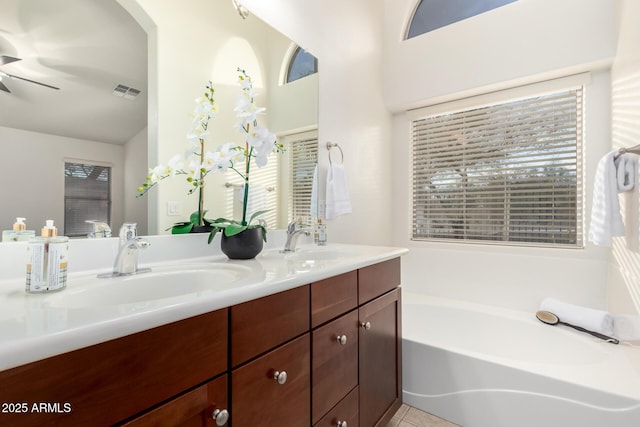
(292,226)
(128,231)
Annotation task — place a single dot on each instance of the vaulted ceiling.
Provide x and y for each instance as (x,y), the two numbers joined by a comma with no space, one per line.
(84,47)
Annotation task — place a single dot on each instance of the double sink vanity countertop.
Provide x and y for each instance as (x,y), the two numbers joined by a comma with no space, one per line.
(93,310)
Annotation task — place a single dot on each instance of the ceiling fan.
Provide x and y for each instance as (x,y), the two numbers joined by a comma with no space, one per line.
(4,59)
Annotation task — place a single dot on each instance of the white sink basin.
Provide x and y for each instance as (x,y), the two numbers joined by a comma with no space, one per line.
(319,254)
(161,283)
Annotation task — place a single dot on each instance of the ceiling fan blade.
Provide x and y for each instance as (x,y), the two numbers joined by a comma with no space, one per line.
(4,88)
(31,81)
(4,59)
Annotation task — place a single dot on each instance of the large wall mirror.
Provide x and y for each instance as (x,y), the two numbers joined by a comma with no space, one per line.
(86,48)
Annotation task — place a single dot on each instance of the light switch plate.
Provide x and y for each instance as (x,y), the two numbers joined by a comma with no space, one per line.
(174,208)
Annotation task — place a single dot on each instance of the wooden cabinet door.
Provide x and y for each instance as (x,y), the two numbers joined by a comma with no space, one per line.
(259,399)
(205,406)
(380,359)
(334,363)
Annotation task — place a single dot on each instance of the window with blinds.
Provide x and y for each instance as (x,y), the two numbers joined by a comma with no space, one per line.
(302,150)
(506,172)
(262,192)
(87,196)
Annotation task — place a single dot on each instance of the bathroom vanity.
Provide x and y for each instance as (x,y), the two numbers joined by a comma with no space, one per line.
(319,346)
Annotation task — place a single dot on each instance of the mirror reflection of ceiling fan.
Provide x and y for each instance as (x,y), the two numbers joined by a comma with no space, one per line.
(4,60)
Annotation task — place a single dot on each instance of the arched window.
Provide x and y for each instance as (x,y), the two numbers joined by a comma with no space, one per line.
(302,64)
(433,14)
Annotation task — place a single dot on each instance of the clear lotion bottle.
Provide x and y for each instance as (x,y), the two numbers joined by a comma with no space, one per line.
(47,261)
(19,232)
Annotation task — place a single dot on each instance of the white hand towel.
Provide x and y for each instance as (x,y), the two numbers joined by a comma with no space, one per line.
(625,172)
(338,202)
(588,318)
(606,220)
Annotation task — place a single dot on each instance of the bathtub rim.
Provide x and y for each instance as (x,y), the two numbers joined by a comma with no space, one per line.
(616,374)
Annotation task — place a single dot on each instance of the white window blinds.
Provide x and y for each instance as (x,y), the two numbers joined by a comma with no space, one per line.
(507,172)
(262,191)
(303,156)
(87,196)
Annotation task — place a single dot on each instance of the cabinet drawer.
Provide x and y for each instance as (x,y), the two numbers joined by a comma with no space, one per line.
(109,382)
(333,297)
(260,400)
(260,325)
(194,408)
(377,279)
(334,365)
(346,410)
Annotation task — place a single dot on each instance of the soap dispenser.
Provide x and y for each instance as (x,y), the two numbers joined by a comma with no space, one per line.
(47,261)
(320,233)
(19,232)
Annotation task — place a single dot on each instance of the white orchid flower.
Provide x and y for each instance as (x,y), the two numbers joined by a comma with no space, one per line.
(175,164)
(193,169)
(259,136)
(156,174)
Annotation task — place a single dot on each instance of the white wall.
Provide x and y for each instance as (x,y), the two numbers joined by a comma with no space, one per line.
(346,37)
(624,273)
(507,44)
(523,42)
(38,158)
(135,164)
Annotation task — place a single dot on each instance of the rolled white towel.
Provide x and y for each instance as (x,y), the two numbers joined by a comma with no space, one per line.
(588,318)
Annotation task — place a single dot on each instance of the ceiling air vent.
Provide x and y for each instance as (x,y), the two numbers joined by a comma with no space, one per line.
(126,92)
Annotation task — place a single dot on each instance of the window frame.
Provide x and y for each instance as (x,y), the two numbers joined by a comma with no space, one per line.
(503,97)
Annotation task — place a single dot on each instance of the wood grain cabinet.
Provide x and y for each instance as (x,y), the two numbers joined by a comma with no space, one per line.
(325,354)
(380,342)
(380,360)
(107,383)
(205,406)
(273,388)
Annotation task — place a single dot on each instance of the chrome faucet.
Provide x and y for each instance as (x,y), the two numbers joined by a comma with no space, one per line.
(100,229)
(126,262)
(293,232)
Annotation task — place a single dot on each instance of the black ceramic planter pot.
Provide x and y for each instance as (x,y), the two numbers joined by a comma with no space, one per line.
(201,229)
(244,245)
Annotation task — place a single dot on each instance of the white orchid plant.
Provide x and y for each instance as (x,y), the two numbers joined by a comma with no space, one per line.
(197,163)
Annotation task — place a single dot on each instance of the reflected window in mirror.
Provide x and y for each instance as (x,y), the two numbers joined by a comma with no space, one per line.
(301,64)
(87,197)
(263,193)
(302,156)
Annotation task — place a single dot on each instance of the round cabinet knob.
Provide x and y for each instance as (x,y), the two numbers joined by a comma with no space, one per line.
(366,325)
(220,416)
(341,424)
(342,339)
(280,376)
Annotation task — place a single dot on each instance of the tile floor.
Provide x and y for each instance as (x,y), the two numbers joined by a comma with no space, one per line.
(408,416)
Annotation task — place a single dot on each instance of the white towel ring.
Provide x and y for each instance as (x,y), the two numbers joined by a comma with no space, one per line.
(330,145)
